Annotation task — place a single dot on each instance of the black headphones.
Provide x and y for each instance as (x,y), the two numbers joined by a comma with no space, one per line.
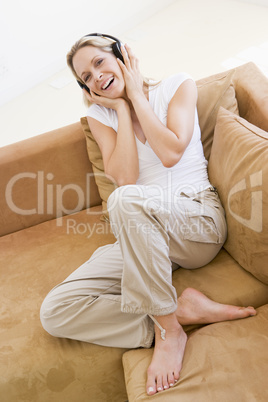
(116,47)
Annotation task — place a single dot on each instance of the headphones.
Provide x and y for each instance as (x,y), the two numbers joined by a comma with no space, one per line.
(116,47)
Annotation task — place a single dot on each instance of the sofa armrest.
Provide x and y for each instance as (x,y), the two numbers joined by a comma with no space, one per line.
(45,177)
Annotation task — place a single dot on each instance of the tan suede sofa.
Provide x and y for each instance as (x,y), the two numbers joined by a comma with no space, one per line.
(52,221)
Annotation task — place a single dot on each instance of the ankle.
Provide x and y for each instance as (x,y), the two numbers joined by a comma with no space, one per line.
(168,322)
(167,326)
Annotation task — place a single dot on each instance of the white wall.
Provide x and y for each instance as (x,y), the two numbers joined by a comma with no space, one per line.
(258,2)
(36,35)
(201,37)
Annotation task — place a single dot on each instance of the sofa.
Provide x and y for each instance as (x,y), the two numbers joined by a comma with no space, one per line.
(53,216)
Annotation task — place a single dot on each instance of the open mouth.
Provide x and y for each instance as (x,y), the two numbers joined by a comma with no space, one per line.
(107,83)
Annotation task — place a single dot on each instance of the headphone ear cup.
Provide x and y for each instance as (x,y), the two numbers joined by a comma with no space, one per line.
(116,46)
(83,86)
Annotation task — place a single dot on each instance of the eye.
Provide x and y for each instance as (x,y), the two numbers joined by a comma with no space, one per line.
(99,61)
(86,77)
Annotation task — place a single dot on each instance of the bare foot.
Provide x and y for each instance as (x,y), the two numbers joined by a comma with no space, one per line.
(164,370)
(196,308)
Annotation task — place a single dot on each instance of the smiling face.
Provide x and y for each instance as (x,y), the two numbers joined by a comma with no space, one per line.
(100,71)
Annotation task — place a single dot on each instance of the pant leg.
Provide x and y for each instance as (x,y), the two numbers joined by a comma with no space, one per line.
(152,232)
(139,222)
(197,229)
(87,305)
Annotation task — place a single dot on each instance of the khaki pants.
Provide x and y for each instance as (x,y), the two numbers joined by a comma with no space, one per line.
(107,300)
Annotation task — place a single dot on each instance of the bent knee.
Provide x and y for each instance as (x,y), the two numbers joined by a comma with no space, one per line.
(48,316)
(126,199)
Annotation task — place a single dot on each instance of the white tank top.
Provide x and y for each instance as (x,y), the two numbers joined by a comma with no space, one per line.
(189,175)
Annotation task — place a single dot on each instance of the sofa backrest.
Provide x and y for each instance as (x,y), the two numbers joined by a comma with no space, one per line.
(50,175)
(242,90)
(45,177)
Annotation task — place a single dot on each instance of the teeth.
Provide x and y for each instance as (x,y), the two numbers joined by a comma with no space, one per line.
(107,83)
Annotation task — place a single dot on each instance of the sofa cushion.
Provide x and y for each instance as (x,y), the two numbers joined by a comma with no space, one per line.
(34,365)
(213,92)
(225,361)
(105,186)
(238,167)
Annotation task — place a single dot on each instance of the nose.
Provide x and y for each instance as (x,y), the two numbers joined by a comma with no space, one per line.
(98,77)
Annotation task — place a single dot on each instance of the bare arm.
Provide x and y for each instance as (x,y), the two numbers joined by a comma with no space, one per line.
(119,150)
(168,142)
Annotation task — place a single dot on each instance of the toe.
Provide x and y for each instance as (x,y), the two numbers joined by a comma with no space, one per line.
(171,379)
(165,382)
(252,310)
(176,376)
(246,311)
(151,390)
(159,383)
(151,385)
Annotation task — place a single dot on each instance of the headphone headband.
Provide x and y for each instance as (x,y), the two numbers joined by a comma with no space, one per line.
(104,36)
(116,45)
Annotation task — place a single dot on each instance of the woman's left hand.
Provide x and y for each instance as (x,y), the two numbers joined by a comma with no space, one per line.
(131,72)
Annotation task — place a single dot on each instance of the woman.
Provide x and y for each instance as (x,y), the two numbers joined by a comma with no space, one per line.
(164,214)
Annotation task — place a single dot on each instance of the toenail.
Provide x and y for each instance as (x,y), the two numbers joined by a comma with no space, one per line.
(150,389)
(171,384)
(166,387)
(159,389)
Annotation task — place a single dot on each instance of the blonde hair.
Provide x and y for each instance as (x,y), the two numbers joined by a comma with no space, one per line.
(101,42)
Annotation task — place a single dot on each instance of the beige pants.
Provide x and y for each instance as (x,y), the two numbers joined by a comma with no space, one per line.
(107,300)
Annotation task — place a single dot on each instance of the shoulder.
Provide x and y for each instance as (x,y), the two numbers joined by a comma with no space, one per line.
(106,116)
(169,86)
(97,110)
(173,82)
